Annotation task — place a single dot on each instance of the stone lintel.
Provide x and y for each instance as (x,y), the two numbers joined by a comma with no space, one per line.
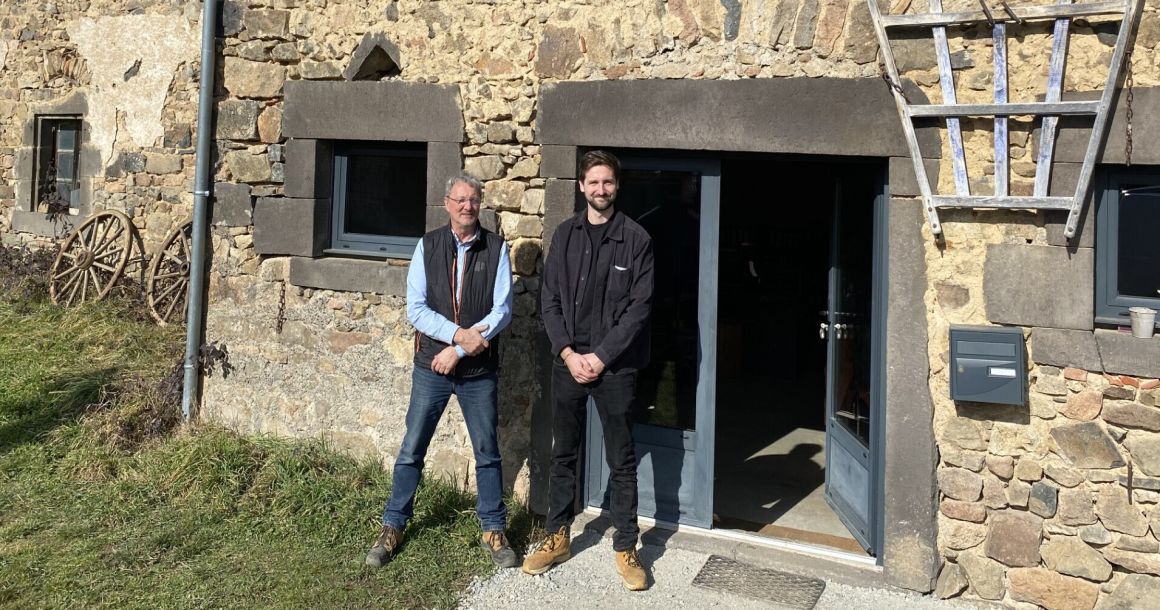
(1065,348)
(1124,354)
(391,111)
(849,117)
(309,168)
(558,161)
(910,549)
(349,275)
(297,227)
(1048,286)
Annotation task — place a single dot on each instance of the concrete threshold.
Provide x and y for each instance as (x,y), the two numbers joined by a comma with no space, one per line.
(803,559)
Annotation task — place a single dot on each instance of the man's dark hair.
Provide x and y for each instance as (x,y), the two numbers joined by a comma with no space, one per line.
(593,158)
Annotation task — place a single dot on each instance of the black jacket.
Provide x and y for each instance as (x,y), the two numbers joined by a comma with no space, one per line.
(623,283)
(440,256)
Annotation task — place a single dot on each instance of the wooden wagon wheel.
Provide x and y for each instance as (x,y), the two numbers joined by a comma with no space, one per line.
(92,259)
(167,284)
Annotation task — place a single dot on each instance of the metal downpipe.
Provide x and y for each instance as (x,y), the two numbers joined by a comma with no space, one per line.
(201,194)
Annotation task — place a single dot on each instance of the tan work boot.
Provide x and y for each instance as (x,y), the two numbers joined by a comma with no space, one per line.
(556,548)
(630,570)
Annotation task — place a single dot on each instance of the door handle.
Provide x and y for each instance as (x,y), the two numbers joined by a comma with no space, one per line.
(822,330)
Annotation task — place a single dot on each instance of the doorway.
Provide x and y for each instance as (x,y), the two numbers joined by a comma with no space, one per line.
(795,378)
(759,411)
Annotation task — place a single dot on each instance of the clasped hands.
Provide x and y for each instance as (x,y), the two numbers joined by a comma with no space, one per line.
(584,368)
(472,342)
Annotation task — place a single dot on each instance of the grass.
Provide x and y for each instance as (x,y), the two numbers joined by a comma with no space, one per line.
(107,501)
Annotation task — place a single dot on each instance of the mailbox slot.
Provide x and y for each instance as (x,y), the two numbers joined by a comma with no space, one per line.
(988,365)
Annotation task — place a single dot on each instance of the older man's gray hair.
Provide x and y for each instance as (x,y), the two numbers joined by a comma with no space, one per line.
(465,178)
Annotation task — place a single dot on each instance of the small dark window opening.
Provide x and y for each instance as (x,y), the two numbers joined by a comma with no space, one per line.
(1128,243)
(380,193)
(58,143)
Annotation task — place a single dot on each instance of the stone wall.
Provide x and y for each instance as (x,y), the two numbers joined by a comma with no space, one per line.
(1051,504)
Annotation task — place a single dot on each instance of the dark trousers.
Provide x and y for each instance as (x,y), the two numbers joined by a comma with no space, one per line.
(613,395)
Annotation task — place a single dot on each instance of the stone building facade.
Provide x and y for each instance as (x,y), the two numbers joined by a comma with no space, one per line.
(1053,504)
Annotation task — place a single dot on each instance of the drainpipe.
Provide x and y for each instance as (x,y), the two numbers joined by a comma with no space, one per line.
(201,193)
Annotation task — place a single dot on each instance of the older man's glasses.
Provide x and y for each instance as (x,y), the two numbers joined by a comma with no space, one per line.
(464,200)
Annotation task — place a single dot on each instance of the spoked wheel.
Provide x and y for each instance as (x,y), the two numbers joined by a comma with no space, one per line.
(168,278)
(92,259)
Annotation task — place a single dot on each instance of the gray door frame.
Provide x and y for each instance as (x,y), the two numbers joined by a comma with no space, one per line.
(696,443)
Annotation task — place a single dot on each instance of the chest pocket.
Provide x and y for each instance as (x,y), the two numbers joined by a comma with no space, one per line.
(619,283)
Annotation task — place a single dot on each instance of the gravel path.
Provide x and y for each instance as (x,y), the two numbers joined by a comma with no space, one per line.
(589,580)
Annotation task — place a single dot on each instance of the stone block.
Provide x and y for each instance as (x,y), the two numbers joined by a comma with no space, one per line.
(1039,286)
(1132,561)
(1071,143)
(1134,591)
(159,163)
(985,575)
(381,110)
(1124,354)
(557,52)
(1018,493)
(237,120)
(266,23)
(349,275)
(245,166)
(309,168)
(960,484)
(963,511)
(252,79)
(38,223)
(1145,449)
(1132,415)
(903,182)
(1069,555)
(232,205)
(1063,181)
(525,253)
(1044,499)
(1083,406)
(444,160)
(487,167)
(1027,469)
(952,580)
(558,161)
(1095,534)
(1013,538)
(963,433)
(910,536)
(505,196)
(1051,590)
(1117,513)
(1087,445)
(296,227)
(855,117)
(1065,348)
(1063,474)
(1001,465)
(561,201)
(1140,544)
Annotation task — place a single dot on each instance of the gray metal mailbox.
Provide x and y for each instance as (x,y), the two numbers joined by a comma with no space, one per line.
(988,365)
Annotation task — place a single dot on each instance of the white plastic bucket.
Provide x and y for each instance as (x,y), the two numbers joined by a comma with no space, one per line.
(1143,321)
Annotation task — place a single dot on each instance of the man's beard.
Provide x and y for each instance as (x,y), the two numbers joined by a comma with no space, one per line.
(594,203)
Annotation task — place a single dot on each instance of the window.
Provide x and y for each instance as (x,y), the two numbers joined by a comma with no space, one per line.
(1128,243)
(58,141)
(380,193)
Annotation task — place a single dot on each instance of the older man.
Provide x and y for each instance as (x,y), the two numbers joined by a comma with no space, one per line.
(459,297)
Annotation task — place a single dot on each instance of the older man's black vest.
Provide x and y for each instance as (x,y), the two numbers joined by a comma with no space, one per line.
(481,263)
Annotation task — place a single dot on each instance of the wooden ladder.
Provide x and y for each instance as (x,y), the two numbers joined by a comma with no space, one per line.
(1050,109)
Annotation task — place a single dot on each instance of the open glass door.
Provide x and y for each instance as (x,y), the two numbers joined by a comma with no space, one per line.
(677,202)
(850,328)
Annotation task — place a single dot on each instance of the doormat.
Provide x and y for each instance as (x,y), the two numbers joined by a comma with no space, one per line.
(782,588)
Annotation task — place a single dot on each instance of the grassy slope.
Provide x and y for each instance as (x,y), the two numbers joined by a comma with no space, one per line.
(95,512)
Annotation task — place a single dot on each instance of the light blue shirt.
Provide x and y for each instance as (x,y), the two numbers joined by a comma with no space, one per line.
(436,325)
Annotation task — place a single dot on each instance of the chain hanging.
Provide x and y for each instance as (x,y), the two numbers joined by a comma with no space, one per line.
(1128,82)
(281,319)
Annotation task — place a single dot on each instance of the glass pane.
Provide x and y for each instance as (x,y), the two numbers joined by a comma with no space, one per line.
(386,195)
(1138,259)
(850,319)
(668,205)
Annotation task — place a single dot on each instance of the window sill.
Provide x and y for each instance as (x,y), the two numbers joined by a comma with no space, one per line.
(38,223)
(367,254)
(349,275)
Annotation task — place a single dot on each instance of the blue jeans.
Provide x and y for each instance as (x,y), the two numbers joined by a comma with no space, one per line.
(478,402)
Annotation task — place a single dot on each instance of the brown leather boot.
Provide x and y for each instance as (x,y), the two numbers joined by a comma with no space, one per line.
(631,571)
(389,541)
(556,548)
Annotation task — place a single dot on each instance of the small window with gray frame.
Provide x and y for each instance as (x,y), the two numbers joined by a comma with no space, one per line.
(58,144)
(379,198)
(1127,238)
